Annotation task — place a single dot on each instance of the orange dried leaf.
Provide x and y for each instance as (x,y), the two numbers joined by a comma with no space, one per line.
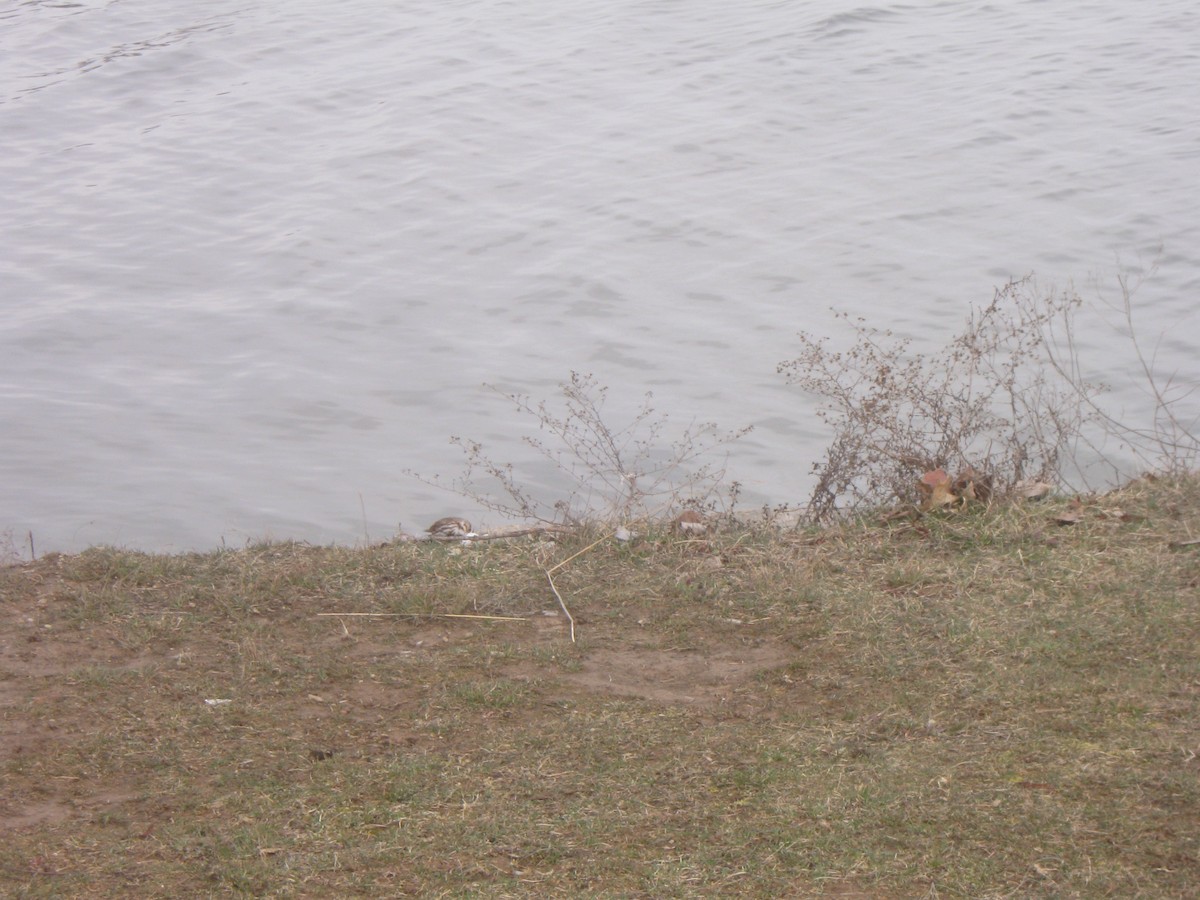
(936,491)
(930,480)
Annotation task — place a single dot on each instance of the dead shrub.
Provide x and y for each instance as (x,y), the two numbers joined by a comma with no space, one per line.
(614,472)
(989,401)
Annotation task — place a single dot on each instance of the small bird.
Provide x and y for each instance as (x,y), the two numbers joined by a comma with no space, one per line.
(450,528)
(690,522)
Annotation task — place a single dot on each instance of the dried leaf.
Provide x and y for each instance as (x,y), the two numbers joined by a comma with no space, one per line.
(936,490)
(929,479)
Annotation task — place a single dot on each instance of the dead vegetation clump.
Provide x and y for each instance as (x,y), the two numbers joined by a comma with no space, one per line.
(1002,409)
(986,406)
(611,473)
(1004,405)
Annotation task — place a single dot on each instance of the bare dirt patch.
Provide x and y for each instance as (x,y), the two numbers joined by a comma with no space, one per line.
(694,676)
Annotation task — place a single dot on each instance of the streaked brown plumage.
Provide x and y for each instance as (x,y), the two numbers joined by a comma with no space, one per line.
(450,528)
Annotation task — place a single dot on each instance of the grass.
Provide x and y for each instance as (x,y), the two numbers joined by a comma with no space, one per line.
(975,704)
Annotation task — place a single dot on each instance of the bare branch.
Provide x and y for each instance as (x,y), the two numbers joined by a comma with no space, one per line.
(618,472)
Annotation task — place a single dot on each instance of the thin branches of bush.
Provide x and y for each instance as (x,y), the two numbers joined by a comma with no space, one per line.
(989,400)
(614,472)
(1167,439)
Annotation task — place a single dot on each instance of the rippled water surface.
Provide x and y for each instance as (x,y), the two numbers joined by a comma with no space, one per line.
(258,259)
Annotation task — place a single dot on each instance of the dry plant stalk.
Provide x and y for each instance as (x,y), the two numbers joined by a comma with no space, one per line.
(561,603)
(554,568)
(615,472)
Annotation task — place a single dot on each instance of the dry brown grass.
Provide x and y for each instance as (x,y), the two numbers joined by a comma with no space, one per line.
(972,704)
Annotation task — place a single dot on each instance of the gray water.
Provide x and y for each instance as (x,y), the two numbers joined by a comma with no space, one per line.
(259,259)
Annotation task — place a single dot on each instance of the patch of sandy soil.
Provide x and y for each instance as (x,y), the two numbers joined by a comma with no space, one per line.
(693,676)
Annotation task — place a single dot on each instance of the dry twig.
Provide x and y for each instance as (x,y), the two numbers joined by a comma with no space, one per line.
(554,568)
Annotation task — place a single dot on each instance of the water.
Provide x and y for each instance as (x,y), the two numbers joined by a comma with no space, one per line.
(259,261)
